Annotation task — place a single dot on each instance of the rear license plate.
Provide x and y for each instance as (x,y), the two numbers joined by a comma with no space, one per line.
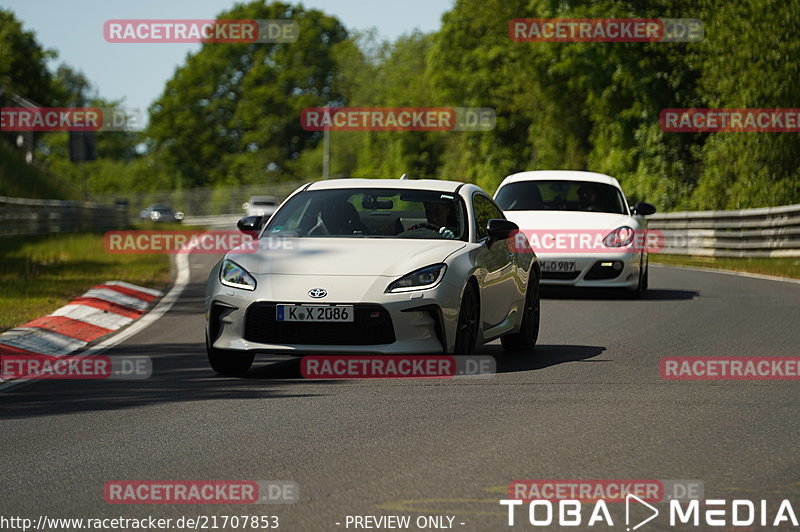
(558,265)
(315,313)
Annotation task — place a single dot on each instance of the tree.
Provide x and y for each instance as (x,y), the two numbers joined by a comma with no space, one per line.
(231,114)
(23,62)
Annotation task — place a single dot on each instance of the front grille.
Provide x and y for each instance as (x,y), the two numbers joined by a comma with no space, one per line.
(372,325)
(560,276)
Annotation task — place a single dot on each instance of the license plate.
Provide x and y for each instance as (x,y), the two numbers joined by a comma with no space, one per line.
(315,313)
(558,266)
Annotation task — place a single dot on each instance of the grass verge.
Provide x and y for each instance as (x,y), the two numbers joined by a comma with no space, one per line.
(21,180)
(39,274)
(778,267)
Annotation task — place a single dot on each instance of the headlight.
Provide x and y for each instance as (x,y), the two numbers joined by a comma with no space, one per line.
(426,277)
(619,237)
(155,215)
(179,215)
(231,274)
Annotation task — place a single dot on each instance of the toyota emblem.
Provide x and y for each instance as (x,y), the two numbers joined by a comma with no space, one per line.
(317,293)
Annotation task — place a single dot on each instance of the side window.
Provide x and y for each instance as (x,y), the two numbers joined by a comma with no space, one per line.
(485,210)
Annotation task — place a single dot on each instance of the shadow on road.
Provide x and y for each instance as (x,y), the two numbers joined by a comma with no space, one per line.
(654,294)
(180,373)
(542,357)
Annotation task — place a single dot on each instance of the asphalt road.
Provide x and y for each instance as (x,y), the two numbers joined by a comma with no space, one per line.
(590,403)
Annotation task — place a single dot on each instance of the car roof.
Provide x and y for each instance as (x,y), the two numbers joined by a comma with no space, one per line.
(438,185)
(561,175)
(257,198)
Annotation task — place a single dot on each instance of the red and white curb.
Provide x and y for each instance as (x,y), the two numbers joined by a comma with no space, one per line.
(100,311)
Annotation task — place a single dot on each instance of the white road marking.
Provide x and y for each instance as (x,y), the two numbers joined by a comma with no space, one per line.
(41,341)
(106,294)
(94,316)
(163,306)
(729,272)
(142,289)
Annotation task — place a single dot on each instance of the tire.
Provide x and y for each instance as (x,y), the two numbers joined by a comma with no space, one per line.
(525,339)
(641,286)
(229,362)
(646,278)
(468,322)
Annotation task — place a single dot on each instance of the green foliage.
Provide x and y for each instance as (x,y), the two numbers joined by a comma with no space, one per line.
(23,63)
(19,179)
(231,114)
(41,273)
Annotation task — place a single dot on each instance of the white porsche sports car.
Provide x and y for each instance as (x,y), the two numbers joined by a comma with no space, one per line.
(581,228)
(373,266)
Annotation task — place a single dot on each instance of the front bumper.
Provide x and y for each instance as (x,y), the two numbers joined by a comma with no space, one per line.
(609,270)
(420,322)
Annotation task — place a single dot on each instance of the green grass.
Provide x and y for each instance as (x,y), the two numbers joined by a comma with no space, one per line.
(21,180)
(779,267)
(38,274)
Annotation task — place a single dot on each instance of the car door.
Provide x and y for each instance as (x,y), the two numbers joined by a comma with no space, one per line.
(496,266)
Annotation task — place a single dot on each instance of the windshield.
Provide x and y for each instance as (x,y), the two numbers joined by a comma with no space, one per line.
(561,196)
(377,213)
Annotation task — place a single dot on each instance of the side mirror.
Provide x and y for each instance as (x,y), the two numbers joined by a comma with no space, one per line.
(500,229)
(250,224)
(642,208)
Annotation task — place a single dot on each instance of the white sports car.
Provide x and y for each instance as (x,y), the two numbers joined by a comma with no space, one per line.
(373,266)
(581,228)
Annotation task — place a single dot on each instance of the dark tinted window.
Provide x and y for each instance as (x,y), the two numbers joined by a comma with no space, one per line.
(378,213)
(561,196)
(485,210)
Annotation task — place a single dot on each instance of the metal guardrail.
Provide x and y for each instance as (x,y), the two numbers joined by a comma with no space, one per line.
(217,221)
(763,232)
(19,216)
(200,201)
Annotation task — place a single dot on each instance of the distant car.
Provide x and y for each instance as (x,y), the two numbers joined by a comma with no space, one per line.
(373,266)
(160,213)
(581,228)
(260,206)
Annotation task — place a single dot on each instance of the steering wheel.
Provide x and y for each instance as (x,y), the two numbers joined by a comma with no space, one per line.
(423,225)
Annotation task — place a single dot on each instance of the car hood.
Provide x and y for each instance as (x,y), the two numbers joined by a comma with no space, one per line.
(342,256)
(569,220)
